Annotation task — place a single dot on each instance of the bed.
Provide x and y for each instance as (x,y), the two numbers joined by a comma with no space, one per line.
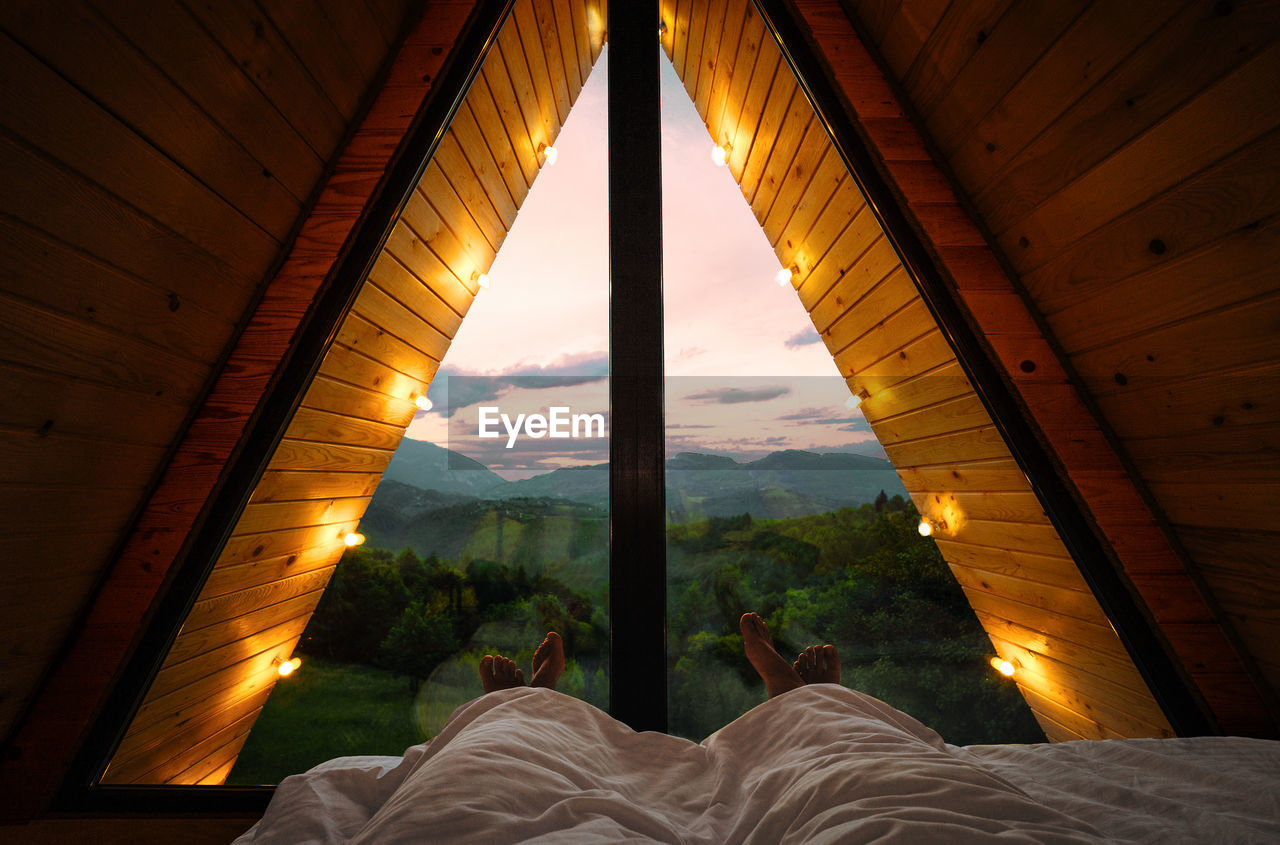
(821,763)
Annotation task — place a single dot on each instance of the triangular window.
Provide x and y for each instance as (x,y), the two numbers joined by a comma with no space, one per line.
(896,368)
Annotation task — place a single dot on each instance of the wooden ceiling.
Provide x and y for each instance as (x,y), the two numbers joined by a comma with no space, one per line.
(282,551)
(1122,159)
(156,161)
(1119,157)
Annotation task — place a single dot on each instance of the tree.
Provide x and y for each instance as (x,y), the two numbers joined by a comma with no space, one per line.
(361,603)
(418,643)
(881,501)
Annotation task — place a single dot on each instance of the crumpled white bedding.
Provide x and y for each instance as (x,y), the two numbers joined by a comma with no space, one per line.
(818,764)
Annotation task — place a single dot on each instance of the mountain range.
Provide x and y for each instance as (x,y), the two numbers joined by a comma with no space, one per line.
(438,501)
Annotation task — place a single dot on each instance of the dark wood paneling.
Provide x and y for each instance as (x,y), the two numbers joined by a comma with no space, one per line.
(1122,156)
(157,161)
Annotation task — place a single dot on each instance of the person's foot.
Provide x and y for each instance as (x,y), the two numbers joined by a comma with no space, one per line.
(499,673)
(548,662)
(818,664)
(779,675)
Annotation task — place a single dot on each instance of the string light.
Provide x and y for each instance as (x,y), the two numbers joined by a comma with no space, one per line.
(720,155)
(662,28)
(421,400)
(353,538)
(1004,667)
(288,667)
(783,276)
(928,526)
(548,153)
(481,279)
(856,400)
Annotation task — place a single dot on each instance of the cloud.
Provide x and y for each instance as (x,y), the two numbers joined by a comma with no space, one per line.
(805,414)
(566,371)
(735,395)
(466,389)
(815,416)
(463,391)
(805,337)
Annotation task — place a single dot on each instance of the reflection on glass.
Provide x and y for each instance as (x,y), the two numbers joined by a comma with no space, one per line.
(476,544)
(780,500)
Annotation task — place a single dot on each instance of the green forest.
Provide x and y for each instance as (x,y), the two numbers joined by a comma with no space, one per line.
(393,647)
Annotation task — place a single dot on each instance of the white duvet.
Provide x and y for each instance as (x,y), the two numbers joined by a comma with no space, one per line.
(818,764)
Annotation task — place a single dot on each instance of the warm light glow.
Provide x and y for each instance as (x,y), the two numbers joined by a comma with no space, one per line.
(720,155)
(924,528)
(1004,667)
(548,153)
(856,400)
(355,538)
(423,403)
(481,279)
(662,28)
(783,276)
(289,666)
(595,26)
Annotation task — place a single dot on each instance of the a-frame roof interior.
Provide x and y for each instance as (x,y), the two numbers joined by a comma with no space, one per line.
(1093,185)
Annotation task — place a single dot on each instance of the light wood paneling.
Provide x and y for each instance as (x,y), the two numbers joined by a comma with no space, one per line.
(1005,554)
(286,542)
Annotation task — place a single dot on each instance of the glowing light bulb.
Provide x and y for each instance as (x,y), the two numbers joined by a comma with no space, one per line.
(483,280)
(1004,667)
(856,400)
(548,152)
(783,277)
(924,528)
(720,155)
(423,403)
(289,666)
(662,28)
(354,538)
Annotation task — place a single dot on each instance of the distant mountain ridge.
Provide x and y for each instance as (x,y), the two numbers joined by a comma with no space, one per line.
(426,466)
(427,502)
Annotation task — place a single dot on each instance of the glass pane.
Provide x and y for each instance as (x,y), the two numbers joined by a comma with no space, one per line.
(780,499)
(488,528)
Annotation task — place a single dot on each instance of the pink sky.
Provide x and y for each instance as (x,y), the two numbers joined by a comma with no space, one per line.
(728,323)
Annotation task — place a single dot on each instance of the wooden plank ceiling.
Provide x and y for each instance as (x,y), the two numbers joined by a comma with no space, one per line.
(1028,593)
(1019,577)
(1122,158)
(286,543)
(156,159)
(1148,259)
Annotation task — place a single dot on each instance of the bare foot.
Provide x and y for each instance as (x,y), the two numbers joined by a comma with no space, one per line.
(818,664)
(779,675)
(499,673)
(548,662)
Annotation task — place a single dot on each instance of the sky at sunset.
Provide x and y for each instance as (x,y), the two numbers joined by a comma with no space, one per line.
(746,373)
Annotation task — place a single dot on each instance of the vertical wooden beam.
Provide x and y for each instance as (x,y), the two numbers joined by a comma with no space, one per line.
(637,506)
